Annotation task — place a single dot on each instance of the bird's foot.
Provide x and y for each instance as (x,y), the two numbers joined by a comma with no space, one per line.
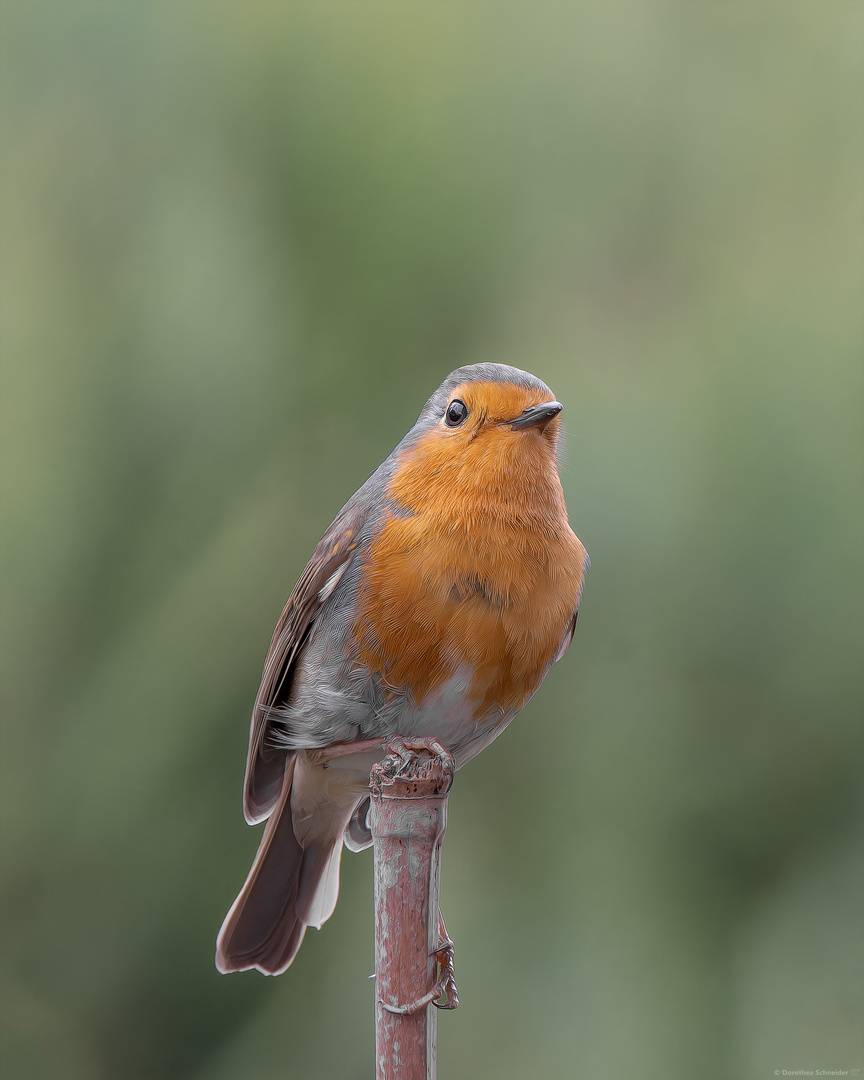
(445,985)
(407,749)
(445,954)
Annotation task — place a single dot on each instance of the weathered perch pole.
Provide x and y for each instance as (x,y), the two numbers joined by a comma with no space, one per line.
(413,956)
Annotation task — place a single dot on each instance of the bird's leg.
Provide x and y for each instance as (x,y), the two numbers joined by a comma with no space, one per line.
(445,955)
(320,755)
(400,746)
(445,985)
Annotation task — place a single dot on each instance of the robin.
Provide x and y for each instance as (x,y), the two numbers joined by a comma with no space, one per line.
(432,609)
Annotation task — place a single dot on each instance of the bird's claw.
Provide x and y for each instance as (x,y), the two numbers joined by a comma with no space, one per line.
(406,749)
(445,955)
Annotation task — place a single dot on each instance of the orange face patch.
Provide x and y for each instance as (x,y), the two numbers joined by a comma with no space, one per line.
(483,465)
(482,571)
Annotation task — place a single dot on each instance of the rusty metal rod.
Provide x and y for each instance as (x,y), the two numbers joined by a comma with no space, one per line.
(413,966)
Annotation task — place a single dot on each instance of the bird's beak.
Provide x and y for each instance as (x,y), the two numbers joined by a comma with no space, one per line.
(537,416)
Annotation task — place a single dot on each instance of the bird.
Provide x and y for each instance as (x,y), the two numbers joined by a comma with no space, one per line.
(432,608)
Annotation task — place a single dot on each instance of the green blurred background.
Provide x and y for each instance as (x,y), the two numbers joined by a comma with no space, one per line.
(242,243)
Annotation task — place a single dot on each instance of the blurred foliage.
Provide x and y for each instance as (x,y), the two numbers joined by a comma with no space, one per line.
(241,244)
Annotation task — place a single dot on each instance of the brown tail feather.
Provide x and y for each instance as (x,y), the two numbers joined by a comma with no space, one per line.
(294,880)
(264,929)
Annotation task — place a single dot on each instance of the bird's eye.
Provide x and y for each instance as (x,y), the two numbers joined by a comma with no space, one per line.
(456,412)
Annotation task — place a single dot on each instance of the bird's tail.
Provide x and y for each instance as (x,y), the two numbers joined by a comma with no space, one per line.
(294,881)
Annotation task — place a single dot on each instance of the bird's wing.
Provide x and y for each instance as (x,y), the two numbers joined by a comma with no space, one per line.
(583,562)
(265,765)
(568,637)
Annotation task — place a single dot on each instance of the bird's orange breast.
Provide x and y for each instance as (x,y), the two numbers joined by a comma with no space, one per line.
(477,570)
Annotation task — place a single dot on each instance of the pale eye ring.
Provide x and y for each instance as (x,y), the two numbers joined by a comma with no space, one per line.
(457,412)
